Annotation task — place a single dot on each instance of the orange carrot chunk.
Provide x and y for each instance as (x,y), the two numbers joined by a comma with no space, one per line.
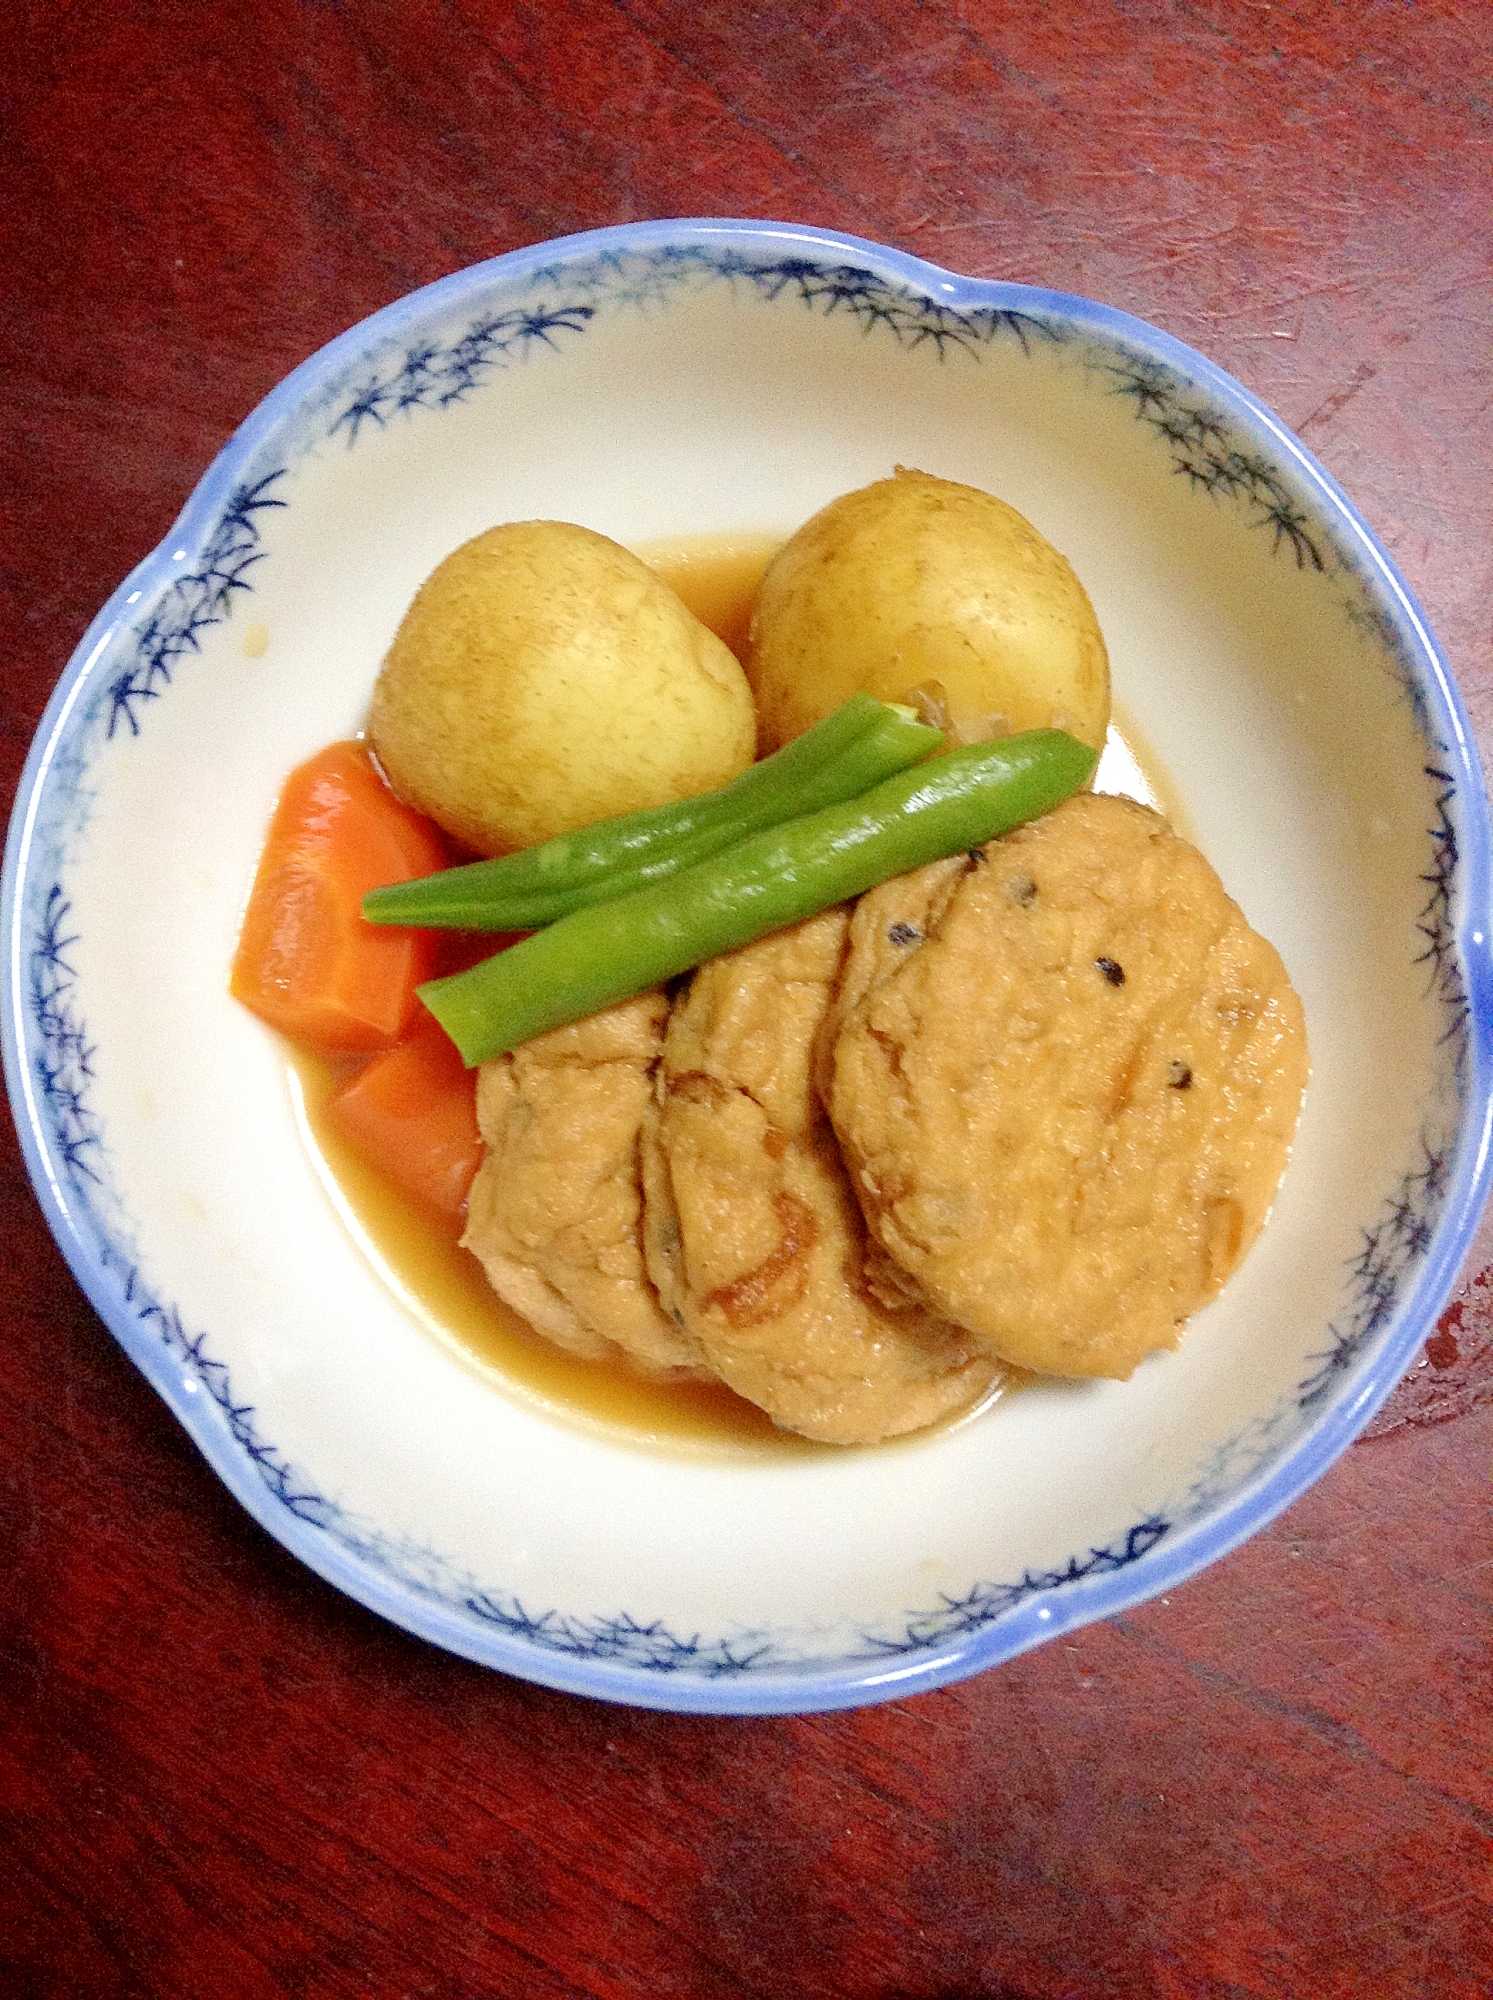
(306,961)
(411,1113)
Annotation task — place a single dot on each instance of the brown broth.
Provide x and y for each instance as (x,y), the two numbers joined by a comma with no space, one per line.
(443,1286)
(718,576)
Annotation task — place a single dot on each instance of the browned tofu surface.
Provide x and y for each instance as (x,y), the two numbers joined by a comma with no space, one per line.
(554,1212)
(753,1235)
(1066,1083)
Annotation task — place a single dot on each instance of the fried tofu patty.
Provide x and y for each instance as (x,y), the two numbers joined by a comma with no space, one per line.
(554,1211)
(1065,1081)
(752,1234)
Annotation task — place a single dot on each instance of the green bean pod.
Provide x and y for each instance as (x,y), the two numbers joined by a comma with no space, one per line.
(610,951)
(862,742)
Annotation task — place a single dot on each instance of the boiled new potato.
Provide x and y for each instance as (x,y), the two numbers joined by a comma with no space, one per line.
(919,583)
(544,677)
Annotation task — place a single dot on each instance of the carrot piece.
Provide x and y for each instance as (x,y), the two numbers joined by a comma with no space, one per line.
(306,961)
(412,1114)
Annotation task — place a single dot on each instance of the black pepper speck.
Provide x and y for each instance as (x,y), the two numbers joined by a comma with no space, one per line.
(1114,973)
(900,933)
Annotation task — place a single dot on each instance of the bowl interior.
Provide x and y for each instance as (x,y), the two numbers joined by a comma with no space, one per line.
(655,384)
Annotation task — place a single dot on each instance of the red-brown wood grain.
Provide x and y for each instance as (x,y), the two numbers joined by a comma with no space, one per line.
(217,1777)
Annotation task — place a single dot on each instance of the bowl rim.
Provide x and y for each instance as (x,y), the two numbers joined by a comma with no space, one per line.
(1046,1613)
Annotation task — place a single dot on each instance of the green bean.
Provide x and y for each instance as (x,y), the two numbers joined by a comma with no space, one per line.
(610,951)
(857,746)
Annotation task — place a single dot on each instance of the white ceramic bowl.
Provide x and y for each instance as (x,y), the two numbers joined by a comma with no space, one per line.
(679,378)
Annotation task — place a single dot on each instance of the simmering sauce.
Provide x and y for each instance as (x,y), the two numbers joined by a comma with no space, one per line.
(443,1287)
(445,1290)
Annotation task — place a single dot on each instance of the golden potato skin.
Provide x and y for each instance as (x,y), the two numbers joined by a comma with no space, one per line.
(543,678)
(920,582)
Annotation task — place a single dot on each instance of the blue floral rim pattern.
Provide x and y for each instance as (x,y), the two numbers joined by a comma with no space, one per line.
(404,365)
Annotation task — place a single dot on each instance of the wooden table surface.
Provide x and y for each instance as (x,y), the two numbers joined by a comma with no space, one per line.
(219,1778)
